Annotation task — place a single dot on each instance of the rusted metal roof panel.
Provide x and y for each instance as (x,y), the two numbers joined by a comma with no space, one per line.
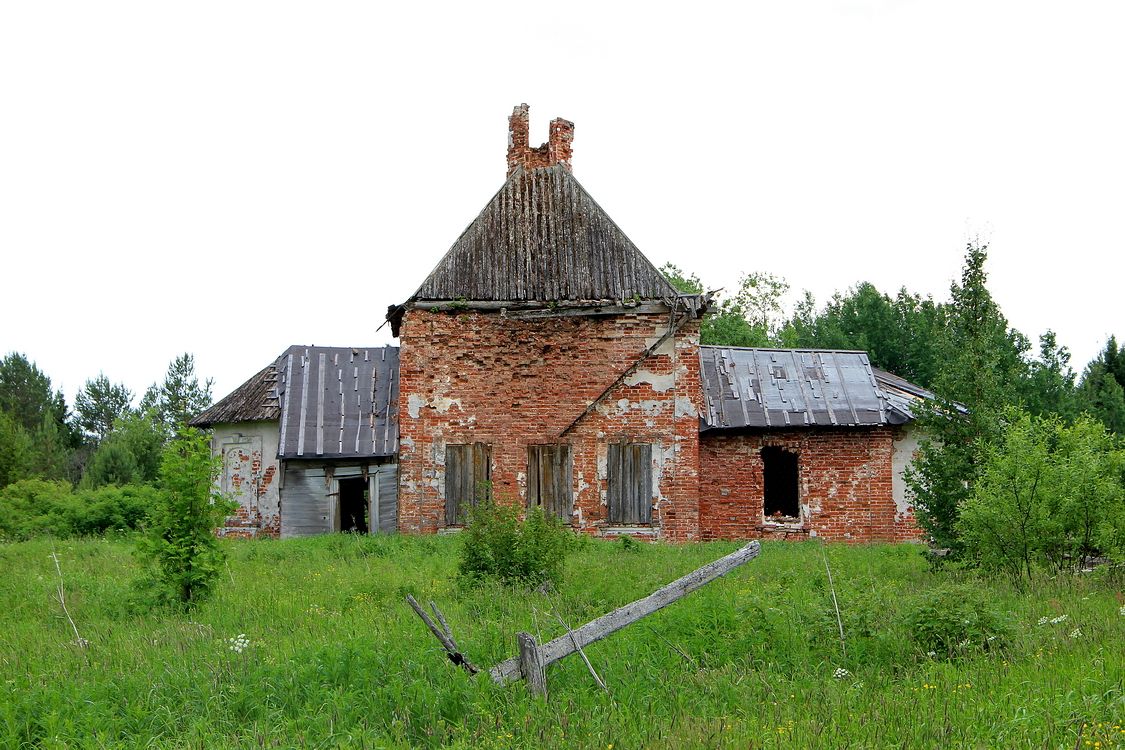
(253,401)
(338,402)
(787,388)
(904,397)
(542,237)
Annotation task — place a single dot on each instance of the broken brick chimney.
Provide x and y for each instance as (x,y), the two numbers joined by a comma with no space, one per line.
(556,150)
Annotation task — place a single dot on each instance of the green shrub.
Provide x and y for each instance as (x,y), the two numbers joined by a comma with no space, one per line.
(955,619)
(496,543)
(1049,494)
(32,507)
(37,507)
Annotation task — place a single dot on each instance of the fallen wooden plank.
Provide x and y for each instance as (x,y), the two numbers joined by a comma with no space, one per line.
(509,669)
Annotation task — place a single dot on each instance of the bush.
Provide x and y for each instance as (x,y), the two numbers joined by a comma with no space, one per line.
(955,619)
(36,507)
(180,540)
(497,544)
(1048,494)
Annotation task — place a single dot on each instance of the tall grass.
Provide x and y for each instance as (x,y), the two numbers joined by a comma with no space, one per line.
(338,660)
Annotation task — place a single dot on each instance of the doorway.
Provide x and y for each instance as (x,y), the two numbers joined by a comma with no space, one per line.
(353,505)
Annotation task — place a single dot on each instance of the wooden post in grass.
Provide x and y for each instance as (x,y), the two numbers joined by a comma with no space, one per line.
(532,666)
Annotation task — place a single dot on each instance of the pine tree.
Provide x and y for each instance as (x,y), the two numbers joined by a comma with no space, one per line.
(983,365)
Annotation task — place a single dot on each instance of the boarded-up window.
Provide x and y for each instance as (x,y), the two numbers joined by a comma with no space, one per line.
(630,483)
(467,478)
(549,479)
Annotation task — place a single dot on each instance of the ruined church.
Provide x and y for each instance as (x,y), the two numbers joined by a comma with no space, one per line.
(545,361)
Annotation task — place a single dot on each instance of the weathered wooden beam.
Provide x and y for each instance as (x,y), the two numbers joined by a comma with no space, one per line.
(552,651)
(640,360)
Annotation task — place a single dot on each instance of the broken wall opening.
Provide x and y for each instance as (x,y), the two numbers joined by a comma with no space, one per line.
(781,501)
(353,504)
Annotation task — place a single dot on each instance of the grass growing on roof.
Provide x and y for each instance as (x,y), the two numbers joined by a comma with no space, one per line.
(309,643)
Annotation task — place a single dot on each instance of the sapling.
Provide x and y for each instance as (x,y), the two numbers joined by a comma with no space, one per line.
(180,538)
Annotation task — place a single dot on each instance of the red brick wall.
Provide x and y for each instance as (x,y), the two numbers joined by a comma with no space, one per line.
(844,484)
(480,377)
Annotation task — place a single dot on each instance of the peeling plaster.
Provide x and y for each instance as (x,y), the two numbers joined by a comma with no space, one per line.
(668,348)
(685,408)
(441,404)
(659,382)
(649,407)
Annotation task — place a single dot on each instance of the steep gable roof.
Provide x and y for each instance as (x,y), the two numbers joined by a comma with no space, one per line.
(255,400)
(543,238)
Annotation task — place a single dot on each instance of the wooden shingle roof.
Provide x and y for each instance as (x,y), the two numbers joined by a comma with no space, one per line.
(253,401)
(543,238)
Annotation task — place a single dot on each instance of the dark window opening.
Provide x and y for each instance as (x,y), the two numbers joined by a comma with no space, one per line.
(468,479)
(549,480)
(780,480)
(353,504)
(629,493)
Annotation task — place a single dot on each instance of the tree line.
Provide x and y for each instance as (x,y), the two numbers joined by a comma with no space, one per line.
(105,439)
(1020,465)
(922,340)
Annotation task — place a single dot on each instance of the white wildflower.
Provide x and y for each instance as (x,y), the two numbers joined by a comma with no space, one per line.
(932,654)
(1060,618)
(239,643)
(1076,633)
(965,643)
(1043,621)
(991,638)
(1122,610)
(841,673)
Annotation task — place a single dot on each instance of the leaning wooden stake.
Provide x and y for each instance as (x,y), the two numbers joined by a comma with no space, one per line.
(444,636)
(565,645)
(586,659)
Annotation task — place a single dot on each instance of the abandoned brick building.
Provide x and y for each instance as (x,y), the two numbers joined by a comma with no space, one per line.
(547,361)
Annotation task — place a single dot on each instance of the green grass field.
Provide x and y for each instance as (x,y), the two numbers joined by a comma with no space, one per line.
(336,659)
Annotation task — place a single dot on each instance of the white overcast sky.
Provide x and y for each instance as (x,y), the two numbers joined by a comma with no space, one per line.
(228,178)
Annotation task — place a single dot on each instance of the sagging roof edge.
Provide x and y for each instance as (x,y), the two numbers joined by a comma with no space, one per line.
(750,388)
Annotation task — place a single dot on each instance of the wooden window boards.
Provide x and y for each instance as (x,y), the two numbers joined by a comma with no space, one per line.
(630,483)
(549,480)
(468,472)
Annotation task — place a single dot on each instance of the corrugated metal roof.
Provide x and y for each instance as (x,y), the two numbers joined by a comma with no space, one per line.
(782,388)
(254,400)
(338,402)
(542,237)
